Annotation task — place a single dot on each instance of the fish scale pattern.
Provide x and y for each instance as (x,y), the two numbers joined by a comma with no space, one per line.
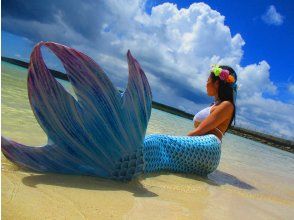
(102,132)
(197,154)
(129,167)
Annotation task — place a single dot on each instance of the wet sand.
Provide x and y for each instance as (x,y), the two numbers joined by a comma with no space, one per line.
(28,195)
(253,180)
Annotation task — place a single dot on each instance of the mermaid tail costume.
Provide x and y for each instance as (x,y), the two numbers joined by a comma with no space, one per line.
(102,132)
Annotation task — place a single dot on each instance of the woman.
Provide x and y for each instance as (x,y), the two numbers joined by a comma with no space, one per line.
(200,153)
(102,132)
(217,118)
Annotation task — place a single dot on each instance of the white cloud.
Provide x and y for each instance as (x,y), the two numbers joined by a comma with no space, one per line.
(255,79)
(291,88)
(175,47)
(266,115)
(272,17)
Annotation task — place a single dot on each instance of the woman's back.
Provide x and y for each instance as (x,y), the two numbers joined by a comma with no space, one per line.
(204,113)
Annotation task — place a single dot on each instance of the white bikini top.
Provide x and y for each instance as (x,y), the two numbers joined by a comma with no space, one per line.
(201,115)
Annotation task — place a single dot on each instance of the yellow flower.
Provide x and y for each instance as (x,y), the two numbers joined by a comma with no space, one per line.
(217,70)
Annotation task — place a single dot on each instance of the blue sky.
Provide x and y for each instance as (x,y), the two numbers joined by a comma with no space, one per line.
(273,43)
(270,42)
(175,43)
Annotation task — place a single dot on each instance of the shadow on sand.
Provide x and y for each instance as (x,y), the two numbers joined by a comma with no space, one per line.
(216,178)
(222,178)
(88,183)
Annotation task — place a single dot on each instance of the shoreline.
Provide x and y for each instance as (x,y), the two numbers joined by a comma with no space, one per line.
(283,144)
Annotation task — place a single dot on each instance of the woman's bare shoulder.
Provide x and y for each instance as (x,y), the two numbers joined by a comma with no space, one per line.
(227,105)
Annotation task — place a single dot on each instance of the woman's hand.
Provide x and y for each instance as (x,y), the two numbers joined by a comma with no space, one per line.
(196,124)
(195,132)
(191,133)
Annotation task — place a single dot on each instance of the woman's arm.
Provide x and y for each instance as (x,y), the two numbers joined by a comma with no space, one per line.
(196,124)
(221,113)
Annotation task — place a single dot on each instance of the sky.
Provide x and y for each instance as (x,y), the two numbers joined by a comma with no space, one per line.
(176,43)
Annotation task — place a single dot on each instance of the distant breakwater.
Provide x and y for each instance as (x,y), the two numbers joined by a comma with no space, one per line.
(270,140)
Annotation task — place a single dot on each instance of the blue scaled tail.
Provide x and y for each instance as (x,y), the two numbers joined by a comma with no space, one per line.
(101,133)
(183,154)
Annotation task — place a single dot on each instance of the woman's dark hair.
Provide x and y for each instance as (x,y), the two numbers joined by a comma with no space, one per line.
(225,91)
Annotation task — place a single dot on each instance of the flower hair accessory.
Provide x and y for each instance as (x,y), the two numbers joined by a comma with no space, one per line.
(223,74)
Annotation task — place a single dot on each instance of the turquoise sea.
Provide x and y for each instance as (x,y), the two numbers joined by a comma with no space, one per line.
(253,180)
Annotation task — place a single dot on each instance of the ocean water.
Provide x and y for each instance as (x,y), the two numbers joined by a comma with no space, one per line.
(253,180)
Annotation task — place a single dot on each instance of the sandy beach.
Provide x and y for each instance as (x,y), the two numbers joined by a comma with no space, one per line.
(253,180)
(28,195)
